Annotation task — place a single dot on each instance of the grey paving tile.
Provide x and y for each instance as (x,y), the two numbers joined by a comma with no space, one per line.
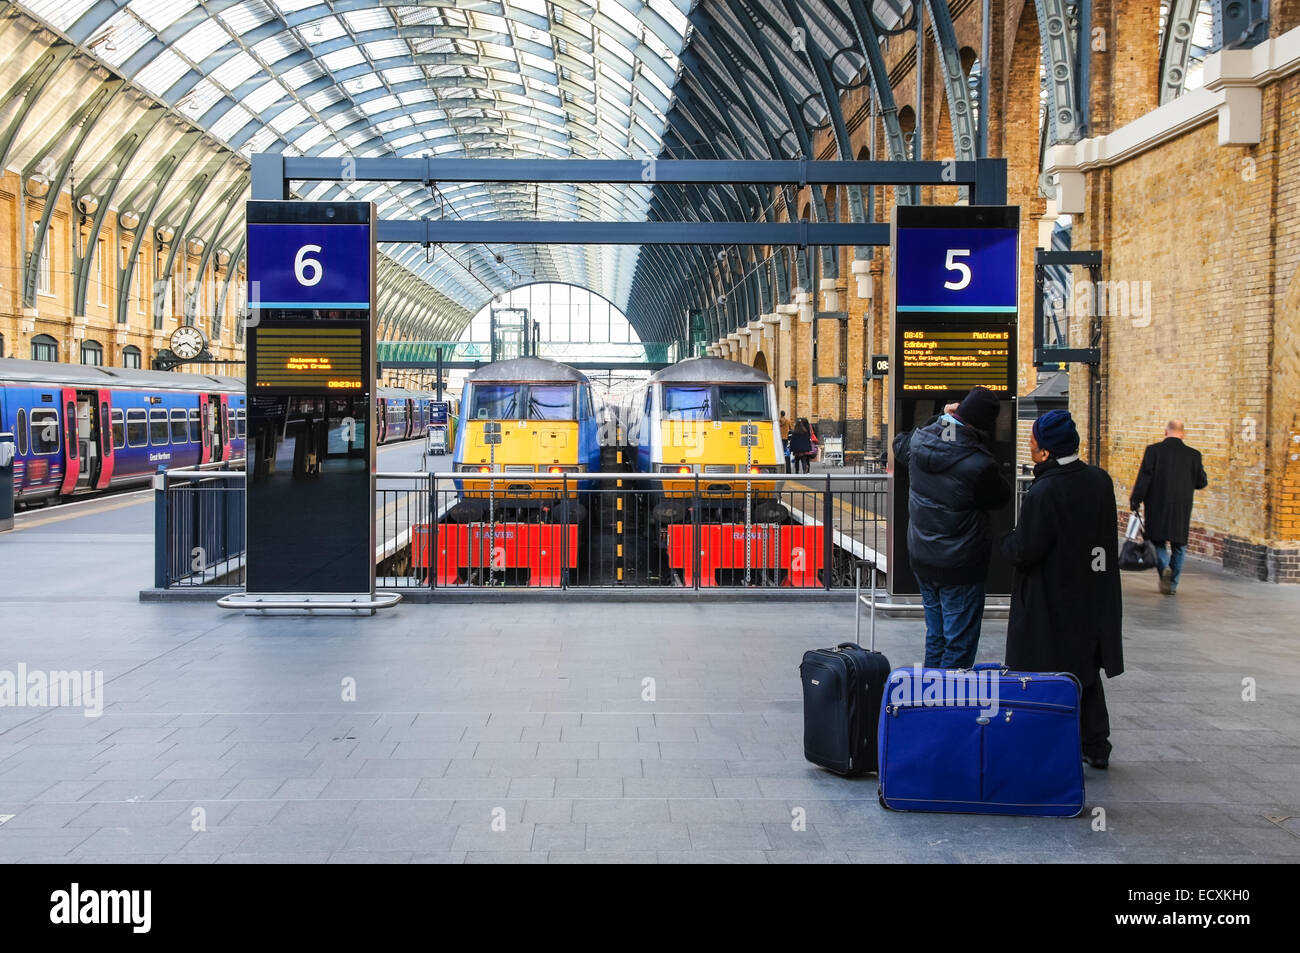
(124,840)
(668,787)
(564,837)
(481,837)
(421,839)
(628,751)
(371,787)
(606,836)
(602,857)
(534,768)
(548,810)
(589,787)
(726,837)
(277,858)
(527,787)
(712,857)
(621,810)
(315,811)
(807,857)
(270,838)
(141,814)
(402,768)
(610,768)
(505,857)
(457,788)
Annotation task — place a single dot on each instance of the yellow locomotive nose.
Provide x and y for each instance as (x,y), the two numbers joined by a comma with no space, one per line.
(712,448)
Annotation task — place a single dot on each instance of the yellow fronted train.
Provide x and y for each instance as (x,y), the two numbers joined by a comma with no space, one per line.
(527,416)
(689,420)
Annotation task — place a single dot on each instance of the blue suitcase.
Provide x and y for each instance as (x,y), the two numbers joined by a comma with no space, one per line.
(984,741)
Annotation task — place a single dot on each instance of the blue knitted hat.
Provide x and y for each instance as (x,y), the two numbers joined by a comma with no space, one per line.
(1055,431)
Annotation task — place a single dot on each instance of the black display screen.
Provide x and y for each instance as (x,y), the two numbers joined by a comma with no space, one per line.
(310,504)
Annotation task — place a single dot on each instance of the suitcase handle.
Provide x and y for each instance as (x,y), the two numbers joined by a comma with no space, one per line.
(985,666)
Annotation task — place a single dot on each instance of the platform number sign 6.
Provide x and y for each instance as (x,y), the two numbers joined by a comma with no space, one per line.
(302,265)
(960,267)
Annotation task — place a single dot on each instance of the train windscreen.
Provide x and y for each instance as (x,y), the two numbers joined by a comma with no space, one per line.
(716,402)
(742,402)
(688,403)
(551,402)
(497,401)
(524,402)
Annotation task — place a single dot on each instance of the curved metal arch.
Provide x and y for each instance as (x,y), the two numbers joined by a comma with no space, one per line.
(78,126)
(104,180)
(1058,33)
(1176,47)
(30,88)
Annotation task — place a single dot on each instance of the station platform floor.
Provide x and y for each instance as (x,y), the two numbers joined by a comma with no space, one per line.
(518,733)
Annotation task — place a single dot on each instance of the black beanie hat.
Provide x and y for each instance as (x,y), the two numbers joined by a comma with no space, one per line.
(979,409)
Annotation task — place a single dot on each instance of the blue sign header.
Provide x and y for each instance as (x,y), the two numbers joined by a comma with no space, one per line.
(971,270)
(309,266)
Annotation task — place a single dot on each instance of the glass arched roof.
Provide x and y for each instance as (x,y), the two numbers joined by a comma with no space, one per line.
(514,78)
(713,79)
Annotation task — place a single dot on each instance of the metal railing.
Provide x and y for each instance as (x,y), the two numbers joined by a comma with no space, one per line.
(457,531)
(199,526)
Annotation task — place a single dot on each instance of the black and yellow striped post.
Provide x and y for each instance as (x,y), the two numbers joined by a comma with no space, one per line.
(618,498)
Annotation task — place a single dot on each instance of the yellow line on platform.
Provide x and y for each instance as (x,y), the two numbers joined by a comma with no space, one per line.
(61,517)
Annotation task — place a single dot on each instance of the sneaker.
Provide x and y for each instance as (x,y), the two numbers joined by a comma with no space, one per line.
(1166,581)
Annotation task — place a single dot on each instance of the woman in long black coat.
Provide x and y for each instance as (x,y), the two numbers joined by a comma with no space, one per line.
(1066,603)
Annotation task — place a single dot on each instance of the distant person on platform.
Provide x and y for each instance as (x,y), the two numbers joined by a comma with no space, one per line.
(1171,473)
(954,483)
(801,445)
(1065,597)
(786,427)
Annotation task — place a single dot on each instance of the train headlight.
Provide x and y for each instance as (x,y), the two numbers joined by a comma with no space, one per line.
(675,468)
(556,468)
(475,468)
(757,469)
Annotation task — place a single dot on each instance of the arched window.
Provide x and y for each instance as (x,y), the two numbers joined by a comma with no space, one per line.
(131,356)
(92,352)
(45,348)
(2,345)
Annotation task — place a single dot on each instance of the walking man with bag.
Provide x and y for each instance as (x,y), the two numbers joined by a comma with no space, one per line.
(953,483)
(1066,603)
(1171,473)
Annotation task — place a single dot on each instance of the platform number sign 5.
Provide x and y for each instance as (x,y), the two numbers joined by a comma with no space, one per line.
(308,271)
(956,270)
(960,267)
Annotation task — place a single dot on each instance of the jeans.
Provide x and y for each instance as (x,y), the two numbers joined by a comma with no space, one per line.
(1172,559)
(952,623)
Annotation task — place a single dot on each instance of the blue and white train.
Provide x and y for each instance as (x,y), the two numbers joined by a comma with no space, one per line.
(81,429)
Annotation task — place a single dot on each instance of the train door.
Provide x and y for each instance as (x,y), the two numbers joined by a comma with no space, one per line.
(104,425)
(217,416)
(205,430)
(381,414)
(72,453)
(410,418)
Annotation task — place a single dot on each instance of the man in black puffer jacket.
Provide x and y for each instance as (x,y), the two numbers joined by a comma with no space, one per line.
(954,484)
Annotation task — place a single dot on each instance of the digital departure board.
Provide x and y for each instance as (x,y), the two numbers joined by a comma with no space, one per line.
(310,503)
(938,359)
(955,279)
(309,358)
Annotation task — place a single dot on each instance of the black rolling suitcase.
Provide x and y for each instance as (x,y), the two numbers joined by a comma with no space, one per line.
(842,693)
